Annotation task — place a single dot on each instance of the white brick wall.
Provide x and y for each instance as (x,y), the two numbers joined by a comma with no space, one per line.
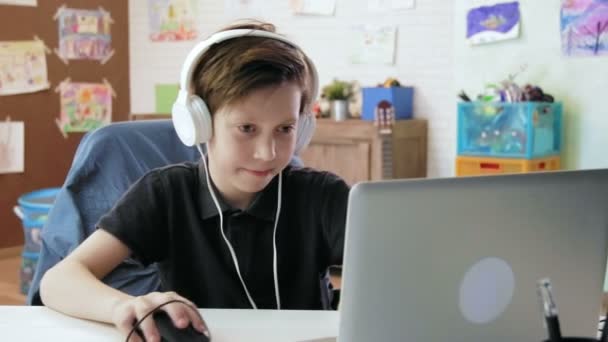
(424,57)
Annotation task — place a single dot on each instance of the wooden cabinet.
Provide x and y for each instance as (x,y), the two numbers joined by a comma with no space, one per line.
(356,151)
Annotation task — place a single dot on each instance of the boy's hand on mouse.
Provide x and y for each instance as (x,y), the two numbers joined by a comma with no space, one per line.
(126,313)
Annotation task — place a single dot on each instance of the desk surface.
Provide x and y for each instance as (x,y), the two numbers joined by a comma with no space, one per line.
(26,323)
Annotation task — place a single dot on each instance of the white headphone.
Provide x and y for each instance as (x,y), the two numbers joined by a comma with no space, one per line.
(193,124)
(190,114)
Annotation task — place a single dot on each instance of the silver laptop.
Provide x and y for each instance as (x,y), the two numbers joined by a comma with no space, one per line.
(458,259)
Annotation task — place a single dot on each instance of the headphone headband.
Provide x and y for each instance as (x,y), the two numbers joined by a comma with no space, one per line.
(187,72)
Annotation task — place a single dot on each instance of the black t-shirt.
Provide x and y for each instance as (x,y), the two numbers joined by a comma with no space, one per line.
(169,217)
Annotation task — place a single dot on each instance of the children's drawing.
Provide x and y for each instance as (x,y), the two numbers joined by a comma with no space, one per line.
(84,34)
(238,9)
(488,24)
(172,20)
(390,5)
(84,106)
(373,44)
(11,146)
(313,7)
(22,67)
(32,3)
(584,27)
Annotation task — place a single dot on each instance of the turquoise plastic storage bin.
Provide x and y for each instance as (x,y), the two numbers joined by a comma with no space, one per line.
(33,210)
(26,273)
(400,97)
(524,130)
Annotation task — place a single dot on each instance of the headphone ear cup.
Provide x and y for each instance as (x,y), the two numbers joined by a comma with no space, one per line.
(304,132)
(203,125)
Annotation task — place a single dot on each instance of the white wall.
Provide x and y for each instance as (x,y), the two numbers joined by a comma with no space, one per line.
(581,83)
(423,57)
(432,55)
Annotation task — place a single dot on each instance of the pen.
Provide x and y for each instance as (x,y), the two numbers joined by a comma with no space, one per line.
(549,310)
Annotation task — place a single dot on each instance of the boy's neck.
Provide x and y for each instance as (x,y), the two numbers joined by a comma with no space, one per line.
(231,196)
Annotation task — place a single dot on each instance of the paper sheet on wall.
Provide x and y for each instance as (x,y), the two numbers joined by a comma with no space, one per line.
(584,27)
(22,67)
(84,106)
(84,34)
(165,97)
(493,23)
(390,5)
(172,20)
(373,44)
(11,146)
(313,7)
(19,2)
(237,9)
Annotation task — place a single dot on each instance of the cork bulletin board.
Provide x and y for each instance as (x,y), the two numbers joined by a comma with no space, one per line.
(48,151)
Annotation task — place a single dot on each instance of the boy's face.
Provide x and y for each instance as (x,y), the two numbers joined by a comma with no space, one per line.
(253,140)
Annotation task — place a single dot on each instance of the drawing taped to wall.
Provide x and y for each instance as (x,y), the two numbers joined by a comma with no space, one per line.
(313,7)
(584,27)
(172,20)
(23,67)
(373,44)
(493,23)
(243,8)
(32,3)
(84,34)
(11,146)
(390,5)
(84,106)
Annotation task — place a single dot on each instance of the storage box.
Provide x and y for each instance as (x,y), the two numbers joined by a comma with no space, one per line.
(509,130)
(33,210)
(475,166)
(401,98)
(32,230)
(29,261)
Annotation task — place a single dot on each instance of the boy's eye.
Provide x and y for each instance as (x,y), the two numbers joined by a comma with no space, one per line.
(246,128)
(287,129)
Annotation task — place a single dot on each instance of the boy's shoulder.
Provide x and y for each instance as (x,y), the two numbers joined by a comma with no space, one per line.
(175,172)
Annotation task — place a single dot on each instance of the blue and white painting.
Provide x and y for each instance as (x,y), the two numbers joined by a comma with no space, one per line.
(584,27)
(493,23)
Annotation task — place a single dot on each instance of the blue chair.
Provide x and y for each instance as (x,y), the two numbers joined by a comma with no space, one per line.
(107,161)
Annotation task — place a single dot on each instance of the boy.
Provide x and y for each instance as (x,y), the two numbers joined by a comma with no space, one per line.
(241,229)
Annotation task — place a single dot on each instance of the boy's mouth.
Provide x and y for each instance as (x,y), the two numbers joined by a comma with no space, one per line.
(259,173)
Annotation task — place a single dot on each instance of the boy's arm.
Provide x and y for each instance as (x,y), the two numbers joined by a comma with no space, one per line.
(133,226)
(73,286)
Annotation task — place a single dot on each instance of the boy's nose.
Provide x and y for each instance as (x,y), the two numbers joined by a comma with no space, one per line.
(265,150)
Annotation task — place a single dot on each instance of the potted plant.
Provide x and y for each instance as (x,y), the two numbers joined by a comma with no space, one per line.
(338,93)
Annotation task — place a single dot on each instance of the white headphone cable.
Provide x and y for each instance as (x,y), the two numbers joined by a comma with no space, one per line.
(232,253)
(274,243)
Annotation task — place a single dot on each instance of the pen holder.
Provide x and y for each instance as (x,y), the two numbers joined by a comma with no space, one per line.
(576,339)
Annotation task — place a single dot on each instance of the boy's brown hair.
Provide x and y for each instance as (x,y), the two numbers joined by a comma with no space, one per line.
(231,69)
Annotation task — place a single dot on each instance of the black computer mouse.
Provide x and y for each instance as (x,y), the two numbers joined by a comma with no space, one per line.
(170,333)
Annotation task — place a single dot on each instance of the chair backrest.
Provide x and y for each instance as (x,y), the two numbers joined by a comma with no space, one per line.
(107,161)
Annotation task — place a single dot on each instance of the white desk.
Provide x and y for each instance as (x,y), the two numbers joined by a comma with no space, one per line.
(24,323)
